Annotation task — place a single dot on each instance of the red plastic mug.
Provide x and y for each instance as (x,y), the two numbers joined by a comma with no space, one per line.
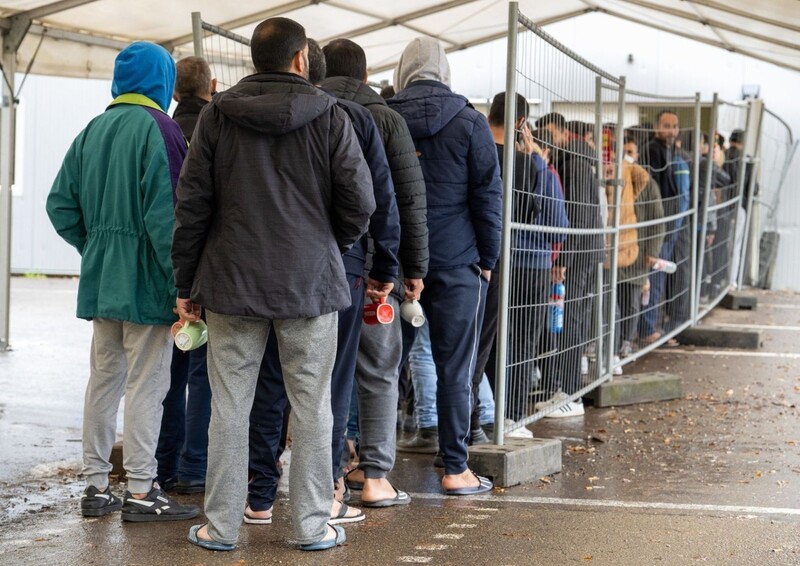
(378,313)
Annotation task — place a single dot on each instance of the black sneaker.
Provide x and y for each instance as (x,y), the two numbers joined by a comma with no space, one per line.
(96,503)
(187,487)
(157,506)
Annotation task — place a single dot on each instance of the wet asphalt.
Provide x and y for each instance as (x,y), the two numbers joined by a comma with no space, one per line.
(710,478)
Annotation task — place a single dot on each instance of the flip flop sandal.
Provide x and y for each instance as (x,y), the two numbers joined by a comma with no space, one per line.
(342,517)
(485,485)
(207,544)
(326,544)
(402,498)
(253,520)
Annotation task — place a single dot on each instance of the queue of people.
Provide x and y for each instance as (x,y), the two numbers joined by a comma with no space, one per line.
(280,211)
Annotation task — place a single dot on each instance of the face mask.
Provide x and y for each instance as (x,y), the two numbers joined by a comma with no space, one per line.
(629,159)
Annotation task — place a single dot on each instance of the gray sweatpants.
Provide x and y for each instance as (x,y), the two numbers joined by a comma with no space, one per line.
(307,350)
(377,373)
(130,359)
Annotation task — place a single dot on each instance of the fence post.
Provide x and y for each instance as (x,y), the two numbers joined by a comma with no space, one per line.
(698,279)
(613,260)
(197,34)
(693,289)
(505,255)
(598,145)
(754,173)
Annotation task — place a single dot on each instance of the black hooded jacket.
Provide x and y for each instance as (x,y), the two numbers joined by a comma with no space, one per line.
(273,190)
(409,184)
(575,164)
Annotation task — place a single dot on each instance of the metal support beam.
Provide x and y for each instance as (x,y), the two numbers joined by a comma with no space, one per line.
(486,39)
(171,44)
(7,151)
(719,44)
(79,37)
(750,16)
(54,8)
(710,22)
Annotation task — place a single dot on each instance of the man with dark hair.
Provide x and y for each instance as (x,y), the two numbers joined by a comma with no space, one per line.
(383,348)
(183,442)
(537,200)
(270,260)
(113,201)
(384,229)
(668,168)
(464,198)
(576,163)
(193,89)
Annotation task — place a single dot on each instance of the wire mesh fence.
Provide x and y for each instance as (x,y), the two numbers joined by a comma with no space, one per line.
(622,211)
(562,183)
(723,207)
(227,53)
(779,169)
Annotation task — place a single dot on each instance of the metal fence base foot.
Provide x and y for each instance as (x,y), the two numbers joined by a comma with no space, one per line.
(637,388)
(517,461)
(737,301)
(722,338)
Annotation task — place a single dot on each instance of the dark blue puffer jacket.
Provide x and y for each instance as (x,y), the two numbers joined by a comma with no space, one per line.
(459,161)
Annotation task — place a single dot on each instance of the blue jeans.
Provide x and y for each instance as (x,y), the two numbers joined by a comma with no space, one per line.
(658,283)
(423,376)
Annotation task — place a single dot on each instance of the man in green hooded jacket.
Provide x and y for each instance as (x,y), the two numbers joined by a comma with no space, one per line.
(113,201)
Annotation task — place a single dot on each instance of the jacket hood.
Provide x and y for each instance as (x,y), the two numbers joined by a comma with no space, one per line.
(348,88)
(427,107)
(147,69)
(273,103)
(423,59)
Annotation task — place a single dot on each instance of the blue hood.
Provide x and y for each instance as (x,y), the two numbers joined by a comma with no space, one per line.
(427,106)
(147,69)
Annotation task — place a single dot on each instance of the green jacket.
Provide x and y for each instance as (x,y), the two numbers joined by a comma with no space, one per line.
(113,201)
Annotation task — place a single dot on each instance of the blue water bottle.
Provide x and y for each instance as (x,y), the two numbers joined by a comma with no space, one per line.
(556,308)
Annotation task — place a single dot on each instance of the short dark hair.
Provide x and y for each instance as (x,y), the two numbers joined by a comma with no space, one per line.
(554,118)
(345,58)
(387,92)
(275,42)
(664,111)
(316,63)
(580,128)
(497,111)
(193,77)
(737,136)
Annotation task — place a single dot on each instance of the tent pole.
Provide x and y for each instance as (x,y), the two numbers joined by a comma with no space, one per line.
(8,105)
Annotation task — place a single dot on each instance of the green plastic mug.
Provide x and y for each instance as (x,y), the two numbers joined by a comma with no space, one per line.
(190,335)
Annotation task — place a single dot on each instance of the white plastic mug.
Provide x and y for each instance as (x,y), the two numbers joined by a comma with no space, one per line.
(411,311)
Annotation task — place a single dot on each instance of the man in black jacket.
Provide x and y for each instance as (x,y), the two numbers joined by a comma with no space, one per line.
(194,87)
(575,162)
(381,349)
(274,190)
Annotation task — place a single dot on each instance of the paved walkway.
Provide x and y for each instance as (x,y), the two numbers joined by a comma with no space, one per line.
(710,478)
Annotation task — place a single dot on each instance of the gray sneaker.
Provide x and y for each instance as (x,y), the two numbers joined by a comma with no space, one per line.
(156,506)
(426,441)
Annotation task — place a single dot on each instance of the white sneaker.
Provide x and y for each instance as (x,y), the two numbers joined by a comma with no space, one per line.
(554,401)
(571,409)
(560,406)
(521,432)
(617,368)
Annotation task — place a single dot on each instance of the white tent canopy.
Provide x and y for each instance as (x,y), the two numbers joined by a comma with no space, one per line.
(80,38)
